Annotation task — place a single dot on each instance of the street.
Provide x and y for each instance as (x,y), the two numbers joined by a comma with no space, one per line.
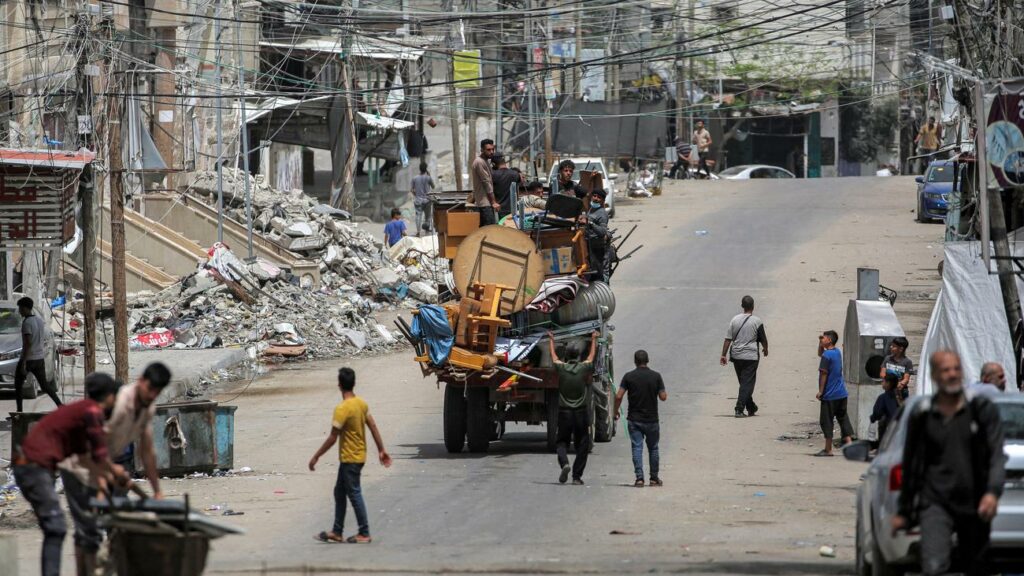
(740,496)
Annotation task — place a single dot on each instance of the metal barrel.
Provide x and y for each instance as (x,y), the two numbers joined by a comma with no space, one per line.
(586,305)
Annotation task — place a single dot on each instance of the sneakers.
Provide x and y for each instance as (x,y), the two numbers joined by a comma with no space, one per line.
(577,482)
(564,475)
(741,415)
(655,482)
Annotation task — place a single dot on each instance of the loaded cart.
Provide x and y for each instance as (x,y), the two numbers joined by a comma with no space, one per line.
(487,345)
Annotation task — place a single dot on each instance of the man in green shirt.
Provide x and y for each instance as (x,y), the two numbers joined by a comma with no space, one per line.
(573,417)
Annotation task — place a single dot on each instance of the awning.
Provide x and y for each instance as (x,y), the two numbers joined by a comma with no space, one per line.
(376,49)
(76,160)
(256,109)
(382,122)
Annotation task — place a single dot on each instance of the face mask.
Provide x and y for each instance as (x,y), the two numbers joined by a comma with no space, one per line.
(595,204)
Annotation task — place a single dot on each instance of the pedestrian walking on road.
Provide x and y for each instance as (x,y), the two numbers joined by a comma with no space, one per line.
(574,423)
(992,383)
(702,138)
(33,354)
(645,388)
(75,428)
(743,340)
(130,425)
(351,419)
(421,187)
(953,471)
(897,363)
(482,185)
(832,392)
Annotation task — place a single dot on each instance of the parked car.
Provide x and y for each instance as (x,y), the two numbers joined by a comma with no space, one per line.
(591,164)
(879,551)
(933,191)
(10,351)
(751,171)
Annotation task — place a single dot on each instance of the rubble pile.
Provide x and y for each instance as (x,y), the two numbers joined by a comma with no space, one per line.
(228,302)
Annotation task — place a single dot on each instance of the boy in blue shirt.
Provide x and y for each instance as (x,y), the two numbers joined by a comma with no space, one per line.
(832,391)
(395,229)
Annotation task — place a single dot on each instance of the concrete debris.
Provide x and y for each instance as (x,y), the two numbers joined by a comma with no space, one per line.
(230,302)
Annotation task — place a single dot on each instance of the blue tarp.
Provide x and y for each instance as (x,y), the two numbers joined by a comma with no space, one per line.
(431,325)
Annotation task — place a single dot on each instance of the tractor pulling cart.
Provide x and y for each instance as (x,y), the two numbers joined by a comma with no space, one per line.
(487,344)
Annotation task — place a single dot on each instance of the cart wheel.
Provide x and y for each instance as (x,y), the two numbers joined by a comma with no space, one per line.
(454,419)
(478,419)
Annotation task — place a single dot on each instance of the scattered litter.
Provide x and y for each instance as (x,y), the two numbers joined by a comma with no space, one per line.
(244,469)
(279,492)
(759,494)
(624,533)
(701,232)
(232,513)
(827,551)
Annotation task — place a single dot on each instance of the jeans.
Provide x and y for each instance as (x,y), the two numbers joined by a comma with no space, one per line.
(573,426)
(638,432)
(746,373)
(487,216)
(937,528)
(703,163)
(835,409)
(424,214)
(347,486)
(36,368)
(36,485)
(87,534)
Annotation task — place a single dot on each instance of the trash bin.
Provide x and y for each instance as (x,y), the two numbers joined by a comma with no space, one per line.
(21,422)
(190,437)
(871,326)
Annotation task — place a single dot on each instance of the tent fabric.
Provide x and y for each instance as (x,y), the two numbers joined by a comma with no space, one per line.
(431,326)
(968,318)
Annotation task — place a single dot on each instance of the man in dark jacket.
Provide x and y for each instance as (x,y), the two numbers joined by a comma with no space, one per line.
(597,235)
(953,472)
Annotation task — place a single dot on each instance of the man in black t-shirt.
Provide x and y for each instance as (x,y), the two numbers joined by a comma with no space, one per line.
(645,388)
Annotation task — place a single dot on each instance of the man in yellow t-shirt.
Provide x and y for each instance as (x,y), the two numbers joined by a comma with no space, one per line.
(351,418)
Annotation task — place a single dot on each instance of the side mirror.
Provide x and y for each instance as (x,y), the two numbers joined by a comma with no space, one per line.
(919,179)
(859,451)
(613,176)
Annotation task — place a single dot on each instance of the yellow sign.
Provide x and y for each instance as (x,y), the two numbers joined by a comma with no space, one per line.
(467,68)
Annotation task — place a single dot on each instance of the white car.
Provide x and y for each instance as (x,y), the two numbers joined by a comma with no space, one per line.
(593,165)
(751,171)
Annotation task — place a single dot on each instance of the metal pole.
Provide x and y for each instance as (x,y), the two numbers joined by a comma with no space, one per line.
(689,78)
(982,168)
(244,130)
(530,89)
(220,130)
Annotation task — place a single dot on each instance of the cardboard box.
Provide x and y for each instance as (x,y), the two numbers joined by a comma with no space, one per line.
(558,261)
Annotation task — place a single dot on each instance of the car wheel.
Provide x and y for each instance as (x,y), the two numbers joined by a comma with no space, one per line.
(920,212)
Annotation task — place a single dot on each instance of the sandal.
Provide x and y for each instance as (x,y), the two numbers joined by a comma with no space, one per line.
(656,482)
(329,538)
(823,454)
(639,483)
(359,539)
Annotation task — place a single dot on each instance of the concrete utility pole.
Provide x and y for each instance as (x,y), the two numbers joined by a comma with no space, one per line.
(220,128)
(453,102)
(548,145)
(690,92)
(87,190)
(530,88)
(244,128)
(678,69)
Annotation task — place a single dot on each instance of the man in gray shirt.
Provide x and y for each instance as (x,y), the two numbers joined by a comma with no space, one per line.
(33,354)
(745,334)
(421,187)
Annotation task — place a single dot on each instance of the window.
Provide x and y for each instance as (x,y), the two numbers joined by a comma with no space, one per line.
(1012,415)
(943,173)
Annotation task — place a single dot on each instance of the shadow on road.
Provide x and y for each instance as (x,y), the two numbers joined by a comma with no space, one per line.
(510,445)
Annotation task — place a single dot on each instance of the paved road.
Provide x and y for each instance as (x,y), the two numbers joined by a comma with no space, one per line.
(736,500)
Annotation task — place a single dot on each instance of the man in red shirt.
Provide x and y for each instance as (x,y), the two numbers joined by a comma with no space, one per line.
(75,428)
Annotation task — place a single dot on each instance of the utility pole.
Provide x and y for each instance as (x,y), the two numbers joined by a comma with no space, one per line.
(244,130)
(690,92)
(531,90)
(453,102)
(547,103)
(678,68)
(87,191)
(118,284)
(220,127)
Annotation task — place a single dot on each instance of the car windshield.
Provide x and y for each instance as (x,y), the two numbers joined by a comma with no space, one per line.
(731,171)
(10,321)
(1012,415)
(940,174)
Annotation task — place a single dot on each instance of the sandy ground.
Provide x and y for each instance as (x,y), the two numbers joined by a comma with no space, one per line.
(741,496)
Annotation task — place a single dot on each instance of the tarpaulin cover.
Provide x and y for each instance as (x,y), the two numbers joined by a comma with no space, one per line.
(968,318)
(431,325)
